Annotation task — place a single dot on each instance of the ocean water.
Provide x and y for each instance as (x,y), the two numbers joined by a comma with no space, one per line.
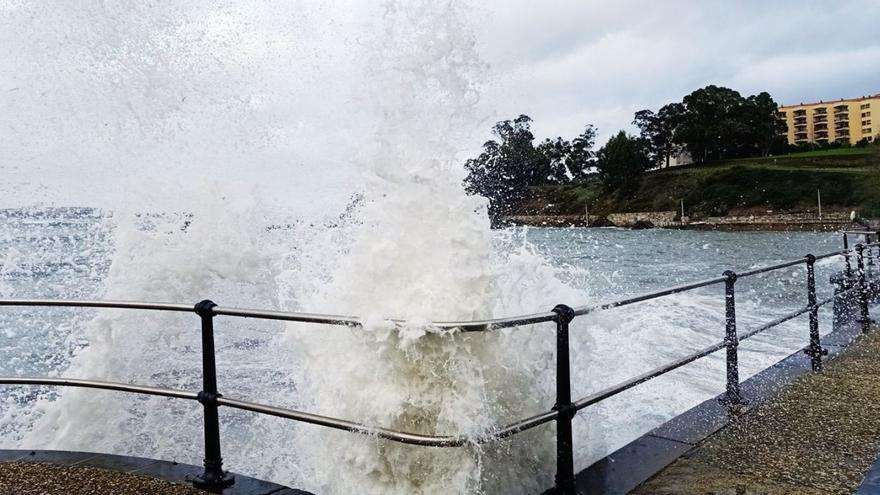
(309,158)
(86,253)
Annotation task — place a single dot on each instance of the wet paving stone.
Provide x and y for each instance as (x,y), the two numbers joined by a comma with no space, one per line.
(818,435)
(38,478)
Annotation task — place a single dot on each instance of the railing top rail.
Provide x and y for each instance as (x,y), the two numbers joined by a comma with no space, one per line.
(102,385)
(402,436)
(464,326)
(678,363)
(582,310)
(85,303)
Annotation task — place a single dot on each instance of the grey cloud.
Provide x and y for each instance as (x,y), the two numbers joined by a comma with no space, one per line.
(571,63)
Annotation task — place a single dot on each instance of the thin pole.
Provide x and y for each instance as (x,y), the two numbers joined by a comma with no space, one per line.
(864,316)
(682,211)
(815,350)
(564,450)
(213,478)
(819,199)
(731,342)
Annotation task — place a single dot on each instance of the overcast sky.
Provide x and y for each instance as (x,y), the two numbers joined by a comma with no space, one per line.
(96,96)
(569,63)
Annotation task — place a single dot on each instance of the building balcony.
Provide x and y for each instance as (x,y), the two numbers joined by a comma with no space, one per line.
(800,113)
(820,118)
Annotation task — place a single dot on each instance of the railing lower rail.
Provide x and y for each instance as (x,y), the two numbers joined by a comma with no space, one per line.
(564,409)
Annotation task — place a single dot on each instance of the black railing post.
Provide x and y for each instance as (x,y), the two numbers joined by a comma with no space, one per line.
(564,448)
(815,350)
(847,255)
(864,316)
(877,240)
(870,253)
(213,478)
(731,341)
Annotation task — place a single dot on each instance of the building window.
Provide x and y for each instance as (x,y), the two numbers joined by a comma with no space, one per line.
(865,105)
(866,114)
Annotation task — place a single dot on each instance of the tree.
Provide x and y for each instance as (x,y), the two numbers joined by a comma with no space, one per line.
(711,127)
(568,161)
(621,160)
(660,131)
(506,168)
(765,126)
(582,157)
(714,122)
(510,165)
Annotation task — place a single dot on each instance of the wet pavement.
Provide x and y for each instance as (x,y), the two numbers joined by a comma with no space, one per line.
(819,435)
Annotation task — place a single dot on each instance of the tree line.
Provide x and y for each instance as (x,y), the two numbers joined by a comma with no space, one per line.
(711,123)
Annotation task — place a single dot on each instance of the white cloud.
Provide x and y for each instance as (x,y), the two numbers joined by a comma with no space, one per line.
(571,63)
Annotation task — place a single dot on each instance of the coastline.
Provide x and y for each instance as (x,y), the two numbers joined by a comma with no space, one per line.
(782,222)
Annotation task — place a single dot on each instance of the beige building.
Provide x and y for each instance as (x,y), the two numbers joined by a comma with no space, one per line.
(828,121)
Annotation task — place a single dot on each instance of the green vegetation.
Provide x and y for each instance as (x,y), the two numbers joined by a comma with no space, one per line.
(716,126)
(712,123)
(620,161)
(508,167)
(847,178)
(830,152)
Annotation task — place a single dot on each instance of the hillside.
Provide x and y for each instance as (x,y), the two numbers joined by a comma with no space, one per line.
(848,178)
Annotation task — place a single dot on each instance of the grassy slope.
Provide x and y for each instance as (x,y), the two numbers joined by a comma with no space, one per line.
(847,178)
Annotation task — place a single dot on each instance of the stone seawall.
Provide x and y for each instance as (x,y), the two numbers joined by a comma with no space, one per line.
(668,219)
(654,218)
(780,221)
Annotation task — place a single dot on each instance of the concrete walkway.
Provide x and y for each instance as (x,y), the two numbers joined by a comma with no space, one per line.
(820,435)
(36,478)
(57,472)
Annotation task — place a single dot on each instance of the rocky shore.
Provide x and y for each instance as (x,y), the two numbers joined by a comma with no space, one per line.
(833,221)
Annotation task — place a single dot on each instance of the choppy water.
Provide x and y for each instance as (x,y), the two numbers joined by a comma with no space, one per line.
(307,157)
(67,253)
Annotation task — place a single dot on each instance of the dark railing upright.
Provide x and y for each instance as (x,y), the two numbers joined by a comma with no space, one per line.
(864,317)
(731,342)
(564,444)
(213,477)
(814,350)
(846,255)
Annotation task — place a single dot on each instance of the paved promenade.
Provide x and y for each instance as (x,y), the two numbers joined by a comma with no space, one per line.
(820,435)
(34,478)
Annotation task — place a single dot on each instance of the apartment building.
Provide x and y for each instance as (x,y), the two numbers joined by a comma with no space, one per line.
(828,121)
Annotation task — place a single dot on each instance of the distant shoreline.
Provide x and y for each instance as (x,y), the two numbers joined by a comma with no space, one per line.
(783,222)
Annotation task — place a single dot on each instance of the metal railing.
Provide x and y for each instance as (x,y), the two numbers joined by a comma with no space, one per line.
(562,412)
